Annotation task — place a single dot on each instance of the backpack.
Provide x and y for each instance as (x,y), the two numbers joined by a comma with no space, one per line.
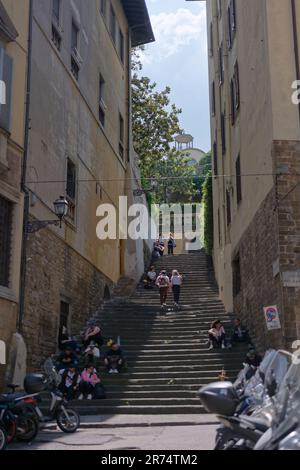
(162,281)
(99,392)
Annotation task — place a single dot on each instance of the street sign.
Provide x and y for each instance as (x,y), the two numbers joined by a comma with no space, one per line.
(272,318)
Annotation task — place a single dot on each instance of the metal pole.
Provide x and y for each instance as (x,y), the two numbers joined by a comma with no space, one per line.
(24,171)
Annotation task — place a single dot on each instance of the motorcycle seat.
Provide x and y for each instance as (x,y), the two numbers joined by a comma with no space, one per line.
(259,423)
(10,397)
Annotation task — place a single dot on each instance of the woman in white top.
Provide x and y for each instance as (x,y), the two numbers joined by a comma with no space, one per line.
(176,283)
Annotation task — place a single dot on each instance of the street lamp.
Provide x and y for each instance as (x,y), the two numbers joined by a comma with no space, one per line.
(153,186)
(61,207)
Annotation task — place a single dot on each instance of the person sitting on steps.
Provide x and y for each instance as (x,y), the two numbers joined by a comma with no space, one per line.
(217,336)
(240,334)
(93,334)
(70,382)
(66,358)
(89,379)
(163,283)
(151,278)
(113,358)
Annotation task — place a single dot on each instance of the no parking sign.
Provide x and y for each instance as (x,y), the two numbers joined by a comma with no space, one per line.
(272,318)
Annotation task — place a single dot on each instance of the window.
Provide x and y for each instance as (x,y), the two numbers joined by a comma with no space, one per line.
(71,180)
(235,94)
(74,37)
(231,23)
(215,156)
(6,211)
(113,24)
(56,37)
(121,46)
(6,75)
(236,275)
(238,179)
(56,11)
(211,40)
(213,99)
(103,7)
(56,30)
(223,133)
(221,65)
(75,58)
(71,188)
(228,207)
(121,136)
(101,100)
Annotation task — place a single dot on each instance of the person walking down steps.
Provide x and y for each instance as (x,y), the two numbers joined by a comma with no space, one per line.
(176,283)
(163,283)
(171,244)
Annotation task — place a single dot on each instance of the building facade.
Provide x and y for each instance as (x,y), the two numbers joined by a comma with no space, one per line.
(253,62)
(80,147)
(13,63)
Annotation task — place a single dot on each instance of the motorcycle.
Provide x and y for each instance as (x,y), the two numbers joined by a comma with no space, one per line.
(3,438)
(239,430)
(67,419)
(19,421)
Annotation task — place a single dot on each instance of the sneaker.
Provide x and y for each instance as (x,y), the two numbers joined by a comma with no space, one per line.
(116,371)
(111,371)
(80,396)
(211,347)
(89,397)
(223,346)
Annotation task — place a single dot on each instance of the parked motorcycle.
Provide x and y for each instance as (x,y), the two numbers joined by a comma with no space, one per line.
(68,420)
(239,430)
(18,420)
(3,438)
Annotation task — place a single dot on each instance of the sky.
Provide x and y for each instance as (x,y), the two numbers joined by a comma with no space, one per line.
(178,58)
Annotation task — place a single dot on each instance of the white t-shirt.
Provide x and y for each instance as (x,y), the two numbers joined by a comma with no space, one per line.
(176,280)
(152,275)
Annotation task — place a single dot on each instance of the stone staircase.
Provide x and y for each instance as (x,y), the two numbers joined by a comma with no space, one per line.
(167,353)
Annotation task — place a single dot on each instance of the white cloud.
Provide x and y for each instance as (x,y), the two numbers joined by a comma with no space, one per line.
(174,31)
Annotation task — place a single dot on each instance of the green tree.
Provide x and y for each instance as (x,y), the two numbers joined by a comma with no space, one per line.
(155,123)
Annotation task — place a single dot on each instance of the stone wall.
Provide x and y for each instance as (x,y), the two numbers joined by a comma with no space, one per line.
(55,273)
(258,250)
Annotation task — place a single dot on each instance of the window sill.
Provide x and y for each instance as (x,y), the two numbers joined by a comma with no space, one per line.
(8,294)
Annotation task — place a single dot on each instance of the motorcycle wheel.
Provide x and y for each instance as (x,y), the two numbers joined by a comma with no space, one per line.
(68,424)
(10,425)
(3,438)
(27,428)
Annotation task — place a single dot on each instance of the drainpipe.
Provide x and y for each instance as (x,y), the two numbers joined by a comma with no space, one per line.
(24,189)
(296,44)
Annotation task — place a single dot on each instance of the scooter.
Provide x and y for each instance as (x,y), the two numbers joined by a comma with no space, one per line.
(222,398)
(67,419)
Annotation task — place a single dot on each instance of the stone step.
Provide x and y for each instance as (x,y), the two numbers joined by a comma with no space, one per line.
(101,409)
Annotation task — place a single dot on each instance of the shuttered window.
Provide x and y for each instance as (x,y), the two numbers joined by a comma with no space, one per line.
(6,210)
(6,75)
(238,180)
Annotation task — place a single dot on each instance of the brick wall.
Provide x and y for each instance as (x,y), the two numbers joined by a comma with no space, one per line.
(55,273)
(258,250)
(286,155)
